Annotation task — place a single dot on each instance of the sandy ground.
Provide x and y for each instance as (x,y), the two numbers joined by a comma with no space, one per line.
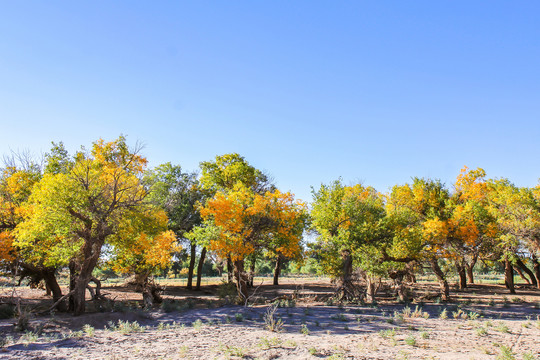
(489,325)
(308,332)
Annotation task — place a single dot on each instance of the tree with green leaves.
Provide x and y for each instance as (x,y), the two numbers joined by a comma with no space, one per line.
(180,194)
(348,220)
(420,213)
(73,215)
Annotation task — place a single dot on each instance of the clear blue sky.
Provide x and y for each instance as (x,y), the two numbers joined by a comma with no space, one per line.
(306,90)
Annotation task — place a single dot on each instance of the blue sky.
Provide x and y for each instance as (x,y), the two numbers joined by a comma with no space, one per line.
(307,90)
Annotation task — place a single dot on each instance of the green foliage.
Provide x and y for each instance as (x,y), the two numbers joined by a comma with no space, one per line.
(177,192)
(410,340)
(348,218)
(89,330)
(505,353)
(228,170)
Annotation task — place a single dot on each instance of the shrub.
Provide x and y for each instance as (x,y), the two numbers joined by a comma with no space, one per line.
(197,324)
(410,340)
(389,333)
(505,354)
(227,291)
(444,314)
(89,330)
(271,322)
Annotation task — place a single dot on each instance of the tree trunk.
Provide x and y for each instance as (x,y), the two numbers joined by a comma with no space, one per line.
(371,290)
(52,284)
(79,300)
(200,268)
(462,276)
(347,290)
(536,267)
(525,269)
(193,248)
(521,275)
(470,268)
(470,274)
(230,268)
(241,279)
(252,272)
(443,283)
(277,269)
(91,252)
(509,276)
(72,276)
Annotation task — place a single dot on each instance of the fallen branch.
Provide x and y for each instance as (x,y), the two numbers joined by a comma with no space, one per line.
(58,302)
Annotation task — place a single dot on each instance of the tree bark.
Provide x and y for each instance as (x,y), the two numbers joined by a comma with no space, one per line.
(443,283)
(470,274)
(509,276)
(277,270)
(241,279)
(347,290)
(526,270)
(470,268)
(200,268)
(522,275)
(371,290)
(91,252)
(52,284)
(536,267)
(193,248)
(230,269)
(252,272)
(462,276)
(72,276)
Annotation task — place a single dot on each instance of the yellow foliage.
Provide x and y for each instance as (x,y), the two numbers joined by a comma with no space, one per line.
(248,219)
(6,246)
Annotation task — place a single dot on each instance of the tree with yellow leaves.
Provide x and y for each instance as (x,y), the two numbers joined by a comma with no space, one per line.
(72,215)
(249,221)
(471,228)
(349,221)
(421,234)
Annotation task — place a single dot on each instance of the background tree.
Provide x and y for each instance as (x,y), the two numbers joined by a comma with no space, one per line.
(179,193)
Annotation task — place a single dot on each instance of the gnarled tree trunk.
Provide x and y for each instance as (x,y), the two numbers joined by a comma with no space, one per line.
(347,289)
(536,268)
(241,279)
(470,267)
(525,269)
(443,283)
(462,276)
(509,276)
(83,271)
(372,285)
